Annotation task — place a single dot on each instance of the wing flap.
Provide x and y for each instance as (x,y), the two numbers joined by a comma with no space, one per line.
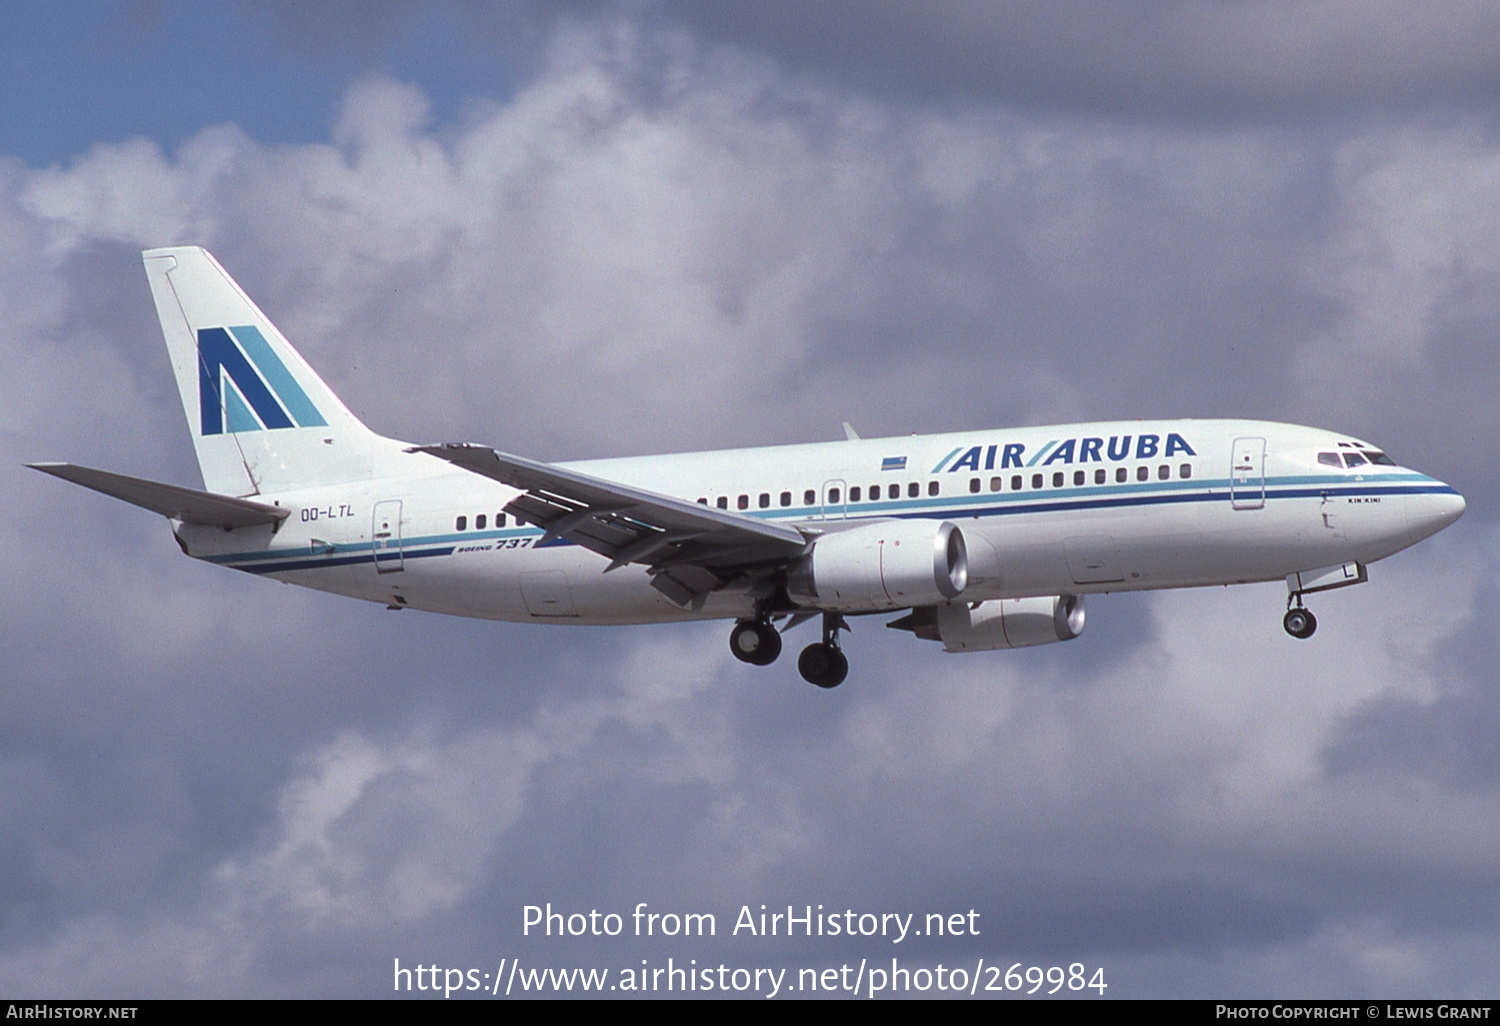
(692,549)
(185,504)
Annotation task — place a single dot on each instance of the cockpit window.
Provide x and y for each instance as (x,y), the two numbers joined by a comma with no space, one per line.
(1355,459)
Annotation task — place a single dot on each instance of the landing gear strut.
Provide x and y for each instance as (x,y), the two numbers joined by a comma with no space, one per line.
(823,663)
(755,642)
(1299,622)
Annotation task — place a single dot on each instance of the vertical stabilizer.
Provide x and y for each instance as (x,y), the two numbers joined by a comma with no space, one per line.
(261,418)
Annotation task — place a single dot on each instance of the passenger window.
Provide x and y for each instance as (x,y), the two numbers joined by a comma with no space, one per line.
(854,494)
(723,502)
(1057,479)
(461,524)
(1185,471)
(932,487)
(702,502)
(1142,473)
(1163,472)
(1015,483)
(974,485)
(1121,474)
(786,498)
(874,492)
(765,500)
(913,490)
(1036,480)
(743,502)
(1078,477)
(833,496)
(809,498)
(994,484)
(499,519)
(480,521)
(1099,476)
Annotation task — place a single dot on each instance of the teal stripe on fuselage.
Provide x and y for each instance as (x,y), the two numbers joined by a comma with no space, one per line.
(1113,496)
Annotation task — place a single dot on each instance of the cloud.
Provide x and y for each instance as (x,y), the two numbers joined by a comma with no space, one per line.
(1267,61)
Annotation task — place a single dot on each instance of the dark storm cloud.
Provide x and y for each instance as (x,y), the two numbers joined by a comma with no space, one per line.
(1198,63)
(1201,64)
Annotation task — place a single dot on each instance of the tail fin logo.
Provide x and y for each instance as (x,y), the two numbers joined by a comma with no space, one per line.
(244,386)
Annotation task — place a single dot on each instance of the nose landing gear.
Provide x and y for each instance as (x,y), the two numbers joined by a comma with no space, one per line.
(1299,622)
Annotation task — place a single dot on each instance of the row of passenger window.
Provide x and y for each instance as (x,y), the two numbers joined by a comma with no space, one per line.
(913,490)
(835,496)
(480,522)
(976,484)
(1081,477)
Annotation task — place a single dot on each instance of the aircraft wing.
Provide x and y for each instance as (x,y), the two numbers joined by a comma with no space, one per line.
(690,549)
(185,504)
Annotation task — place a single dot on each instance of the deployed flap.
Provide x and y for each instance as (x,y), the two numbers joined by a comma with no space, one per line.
(185,504)
(690,548)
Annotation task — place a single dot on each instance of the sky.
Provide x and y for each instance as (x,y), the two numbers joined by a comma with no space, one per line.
(584,229)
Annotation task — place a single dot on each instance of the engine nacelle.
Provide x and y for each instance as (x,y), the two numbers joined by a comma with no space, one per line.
(887,565)
(1008,623)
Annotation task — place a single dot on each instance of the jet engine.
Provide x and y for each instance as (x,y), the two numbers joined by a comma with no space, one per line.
(886,565)
(1000,623)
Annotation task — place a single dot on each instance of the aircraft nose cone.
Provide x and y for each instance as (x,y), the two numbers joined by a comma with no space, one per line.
(1428,514)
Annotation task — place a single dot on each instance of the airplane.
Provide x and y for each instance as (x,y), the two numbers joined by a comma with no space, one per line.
(978,540)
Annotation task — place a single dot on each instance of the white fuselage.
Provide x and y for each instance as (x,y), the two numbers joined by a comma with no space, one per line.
(1068,509)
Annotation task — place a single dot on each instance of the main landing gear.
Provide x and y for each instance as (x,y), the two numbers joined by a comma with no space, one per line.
(755,642)
(823,663)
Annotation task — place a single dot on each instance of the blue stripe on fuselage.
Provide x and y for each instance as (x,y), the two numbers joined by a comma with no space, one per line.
(1083,497)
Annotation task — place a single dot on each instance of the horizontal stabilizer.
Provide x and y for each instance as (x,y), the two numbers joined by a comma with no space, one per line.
(185,504)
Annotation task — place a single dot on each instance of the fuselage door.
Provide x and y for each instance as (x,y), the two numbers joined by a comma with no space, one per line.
(385,537)
(1247,474)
